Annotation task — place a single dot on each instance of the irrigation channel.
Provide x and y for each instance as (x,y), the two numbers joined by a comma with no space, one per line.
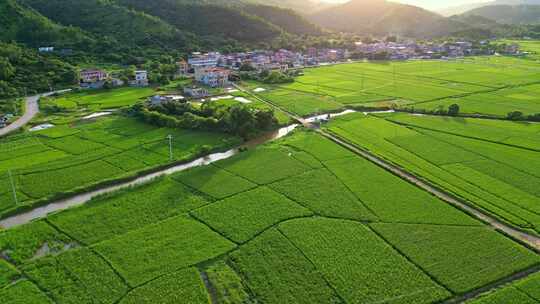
(80,199)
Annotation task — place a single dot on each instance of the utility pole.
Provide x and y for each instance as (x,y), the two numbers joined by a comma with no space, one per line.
(13,188)
(170,137)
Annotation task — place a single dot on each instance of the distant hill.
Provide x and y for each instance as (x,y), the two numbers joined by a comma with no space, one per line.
(113,22)
(509,14)
(382,17)
(22,25)
(461,9)
(286,19)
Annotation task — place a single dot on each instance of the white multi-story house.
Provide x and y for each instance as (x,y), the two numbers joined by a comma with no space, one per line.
(141,79)
(213,77)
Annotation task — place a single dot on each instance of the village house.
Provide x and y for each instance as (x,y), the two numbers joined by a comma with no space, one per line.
(159,100)
(196,92)
(93,78)
(213,77)
(183,68)
(141,79)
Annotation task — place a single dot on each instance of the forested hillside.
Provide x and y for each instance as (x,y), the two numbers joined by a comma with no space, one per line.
(114,22)
(382,17)
(286,19)
(25,71)
(207,20)
(26,26)
(509,14)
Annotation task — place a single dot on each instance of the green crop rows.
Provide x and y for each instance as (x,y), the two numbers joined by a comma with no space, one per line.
(66,159)
(486,85)
(317,225)
(490,164)
(526,291)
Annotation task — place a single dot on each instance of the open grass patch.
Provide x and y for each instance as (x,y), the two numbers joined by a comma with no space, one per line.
(252,211)
(155,250)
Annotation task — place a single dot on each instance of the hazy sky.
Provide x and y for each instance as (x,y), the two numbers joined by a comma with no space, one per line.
(429,4)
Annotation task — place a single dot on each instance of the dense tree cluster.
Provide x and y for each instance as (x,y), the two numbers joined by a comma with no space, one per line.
(240,120)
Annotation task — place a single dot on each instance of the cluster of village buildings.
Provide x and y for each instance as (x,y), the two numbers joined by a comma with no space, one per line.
(212,70)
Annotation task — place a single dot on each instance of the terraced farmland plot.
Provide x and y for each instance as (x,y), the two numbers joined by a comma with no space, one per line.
(145,254)
(461,258)
(108,217)
(253,212)
(278,272)
(359,265)
(525,291)
(278,163)
(103,99)
(23,292)
(183,286)
(214,181)
(316,145)
(479,85)
(387,195)
(502,181)
(67,159)
(302,104)
(228,286)
(321,192)
(522,134)
(77,276)
(8,274)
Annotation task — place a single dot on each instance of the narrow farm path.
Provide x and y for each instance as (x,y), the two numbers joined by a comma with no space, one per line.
(528,239)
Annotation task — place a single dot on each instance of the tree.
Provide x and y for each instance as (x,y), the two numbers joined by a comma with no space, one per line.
(453,110)
(6,69)
(516,115)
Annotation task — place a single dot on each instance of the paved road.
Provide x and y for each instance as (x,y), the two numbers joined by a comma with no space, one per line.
(32,108)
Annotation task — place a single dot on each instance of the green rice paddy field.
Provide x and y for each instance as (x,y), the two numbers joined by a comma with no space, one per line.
(67,158)
(479,85)
(317,225)
(491,164)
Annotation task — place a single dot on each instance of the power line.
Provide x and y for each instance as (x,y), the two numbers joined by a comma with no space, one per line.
(13,188)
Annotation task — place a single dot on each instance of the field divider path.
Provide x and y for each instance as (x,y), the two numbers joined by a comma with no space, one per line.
(529,240)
